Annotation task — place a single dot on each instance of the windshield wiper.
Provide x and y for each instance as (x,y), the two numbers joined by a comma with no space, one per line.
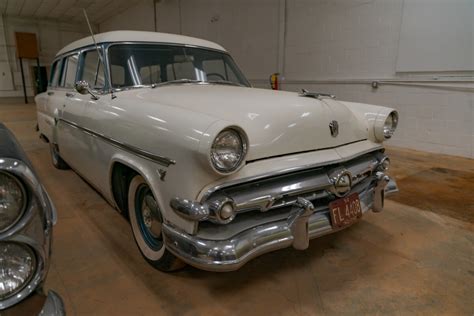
(177,81)
(225,82)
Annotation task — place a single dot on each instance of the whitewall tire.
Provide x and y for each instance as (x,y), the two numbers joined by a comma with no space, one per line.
(146,221)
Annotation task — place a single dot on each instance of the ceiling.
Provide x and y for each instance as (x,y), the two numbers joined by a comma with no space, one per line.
(66,10)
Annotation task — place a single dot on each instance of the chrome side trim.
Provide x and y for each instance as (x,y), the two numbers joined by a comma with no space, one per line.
(211,190)
(137,151)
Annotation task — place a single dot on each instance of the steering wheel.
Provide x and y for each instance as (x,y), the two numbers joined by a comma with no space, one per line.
(217,75)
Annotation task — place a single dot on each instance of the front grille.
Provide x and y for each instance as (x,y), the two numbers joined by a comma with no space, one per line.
(274,193)
(249,219)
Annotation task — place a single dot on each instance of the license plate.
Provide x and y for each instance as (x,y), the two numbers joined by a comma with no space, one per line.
(346,211)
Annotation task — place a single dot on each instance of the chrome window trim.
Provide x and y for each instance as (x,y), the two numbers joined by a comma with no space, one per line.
(208,192)
(135,150)
(80,67)
(64,69)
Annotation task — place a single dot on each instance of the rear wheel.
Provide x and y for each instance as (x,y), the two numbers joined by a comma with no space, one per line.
(146,221)
(57,161)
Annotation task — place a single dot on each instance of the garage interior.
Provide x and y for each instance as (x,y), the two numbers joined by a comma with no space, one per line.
(416,257)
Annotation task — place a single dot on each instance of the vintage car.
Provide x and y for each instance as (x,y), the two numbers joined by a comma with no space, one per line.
(27,216)
(209,171)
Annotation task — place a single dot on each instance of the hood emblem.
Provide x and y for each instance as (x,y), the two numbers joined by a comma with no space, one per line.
(334,128)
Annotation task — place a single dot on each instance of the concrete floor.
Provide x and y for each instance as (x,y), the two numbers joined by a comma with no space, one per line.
(416,257)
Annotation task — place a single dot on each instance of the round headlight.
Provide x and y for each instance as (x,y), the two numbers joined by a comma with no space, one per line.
(390,125)
(17,267)
(228,150)
(12,200)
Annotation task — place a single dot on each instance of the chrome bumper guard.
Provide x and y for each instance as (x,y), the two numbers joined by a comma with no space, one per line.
(301,225)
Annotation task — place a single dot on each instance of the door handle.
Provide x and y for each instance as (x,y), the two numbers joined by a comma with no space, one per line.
(50,92)
(69,94)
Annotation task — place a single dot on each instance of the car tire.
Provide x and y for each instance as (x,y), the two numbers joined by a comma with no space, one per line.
(146,221)
(56,159)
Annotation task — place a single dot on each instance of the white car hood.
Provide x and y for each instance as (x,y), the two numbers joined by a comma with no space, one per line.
(276,122)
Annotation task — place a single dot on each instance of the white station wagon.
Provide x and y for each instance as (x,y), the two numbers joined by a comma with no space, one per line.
(210,171)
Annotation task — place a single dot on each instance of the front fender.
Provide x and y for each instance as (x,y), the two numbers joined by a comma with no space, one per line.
(161,189)
(373,116)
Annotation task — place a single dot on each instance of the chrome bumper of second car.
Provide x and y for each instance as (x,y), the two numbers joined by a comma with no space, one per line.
(301,225)
(38,304)
(53,305)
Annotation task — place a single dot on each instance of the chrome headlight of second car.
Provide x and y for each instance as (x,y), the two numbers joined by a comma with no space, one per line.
(17,267)
(12,200)
(228,150)
(390,125)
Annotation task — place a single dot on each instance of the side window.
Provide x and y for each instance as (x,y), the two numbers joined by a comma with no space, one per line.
(55,73)
(92,70)
(69,76)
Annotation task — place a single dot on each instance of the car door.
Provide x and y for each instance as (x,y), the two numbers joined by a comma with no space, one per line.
(94,117)
(50,101)
(71,139)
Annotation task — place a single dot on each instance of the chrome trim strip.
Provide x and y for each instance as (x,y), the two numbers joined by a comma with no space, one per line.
(137,151)
(211,190)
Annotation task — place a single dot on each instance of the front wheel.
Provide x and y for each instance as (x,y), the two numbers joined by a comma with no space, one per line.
(146,221)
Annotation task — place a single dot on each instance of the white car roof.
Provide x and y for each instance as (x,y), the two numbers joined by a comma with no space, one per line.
(140,36)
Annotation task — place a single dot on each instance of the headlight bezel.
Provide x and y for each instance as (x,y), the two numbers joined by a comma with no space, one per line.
(24,204)
(380,123)
(33,273)
(244,150)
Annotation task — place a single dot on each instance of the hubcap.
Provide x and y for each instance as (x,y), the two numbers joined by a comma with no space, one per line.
(149,217)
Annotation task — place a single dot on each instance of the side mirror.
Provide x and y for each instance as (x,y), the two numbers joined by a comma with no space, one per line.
(82,87)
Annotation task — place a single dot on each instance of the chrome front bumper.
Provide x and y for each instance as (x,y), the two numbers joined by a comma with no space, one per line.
(301,225)
(38,304)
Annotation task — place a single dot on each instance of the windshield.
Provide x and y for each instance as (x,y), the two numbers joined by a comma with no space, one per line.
(147,64)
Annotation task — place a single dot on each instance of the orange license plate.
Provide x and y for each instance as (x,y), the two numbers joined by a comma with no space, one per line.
(346,211)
